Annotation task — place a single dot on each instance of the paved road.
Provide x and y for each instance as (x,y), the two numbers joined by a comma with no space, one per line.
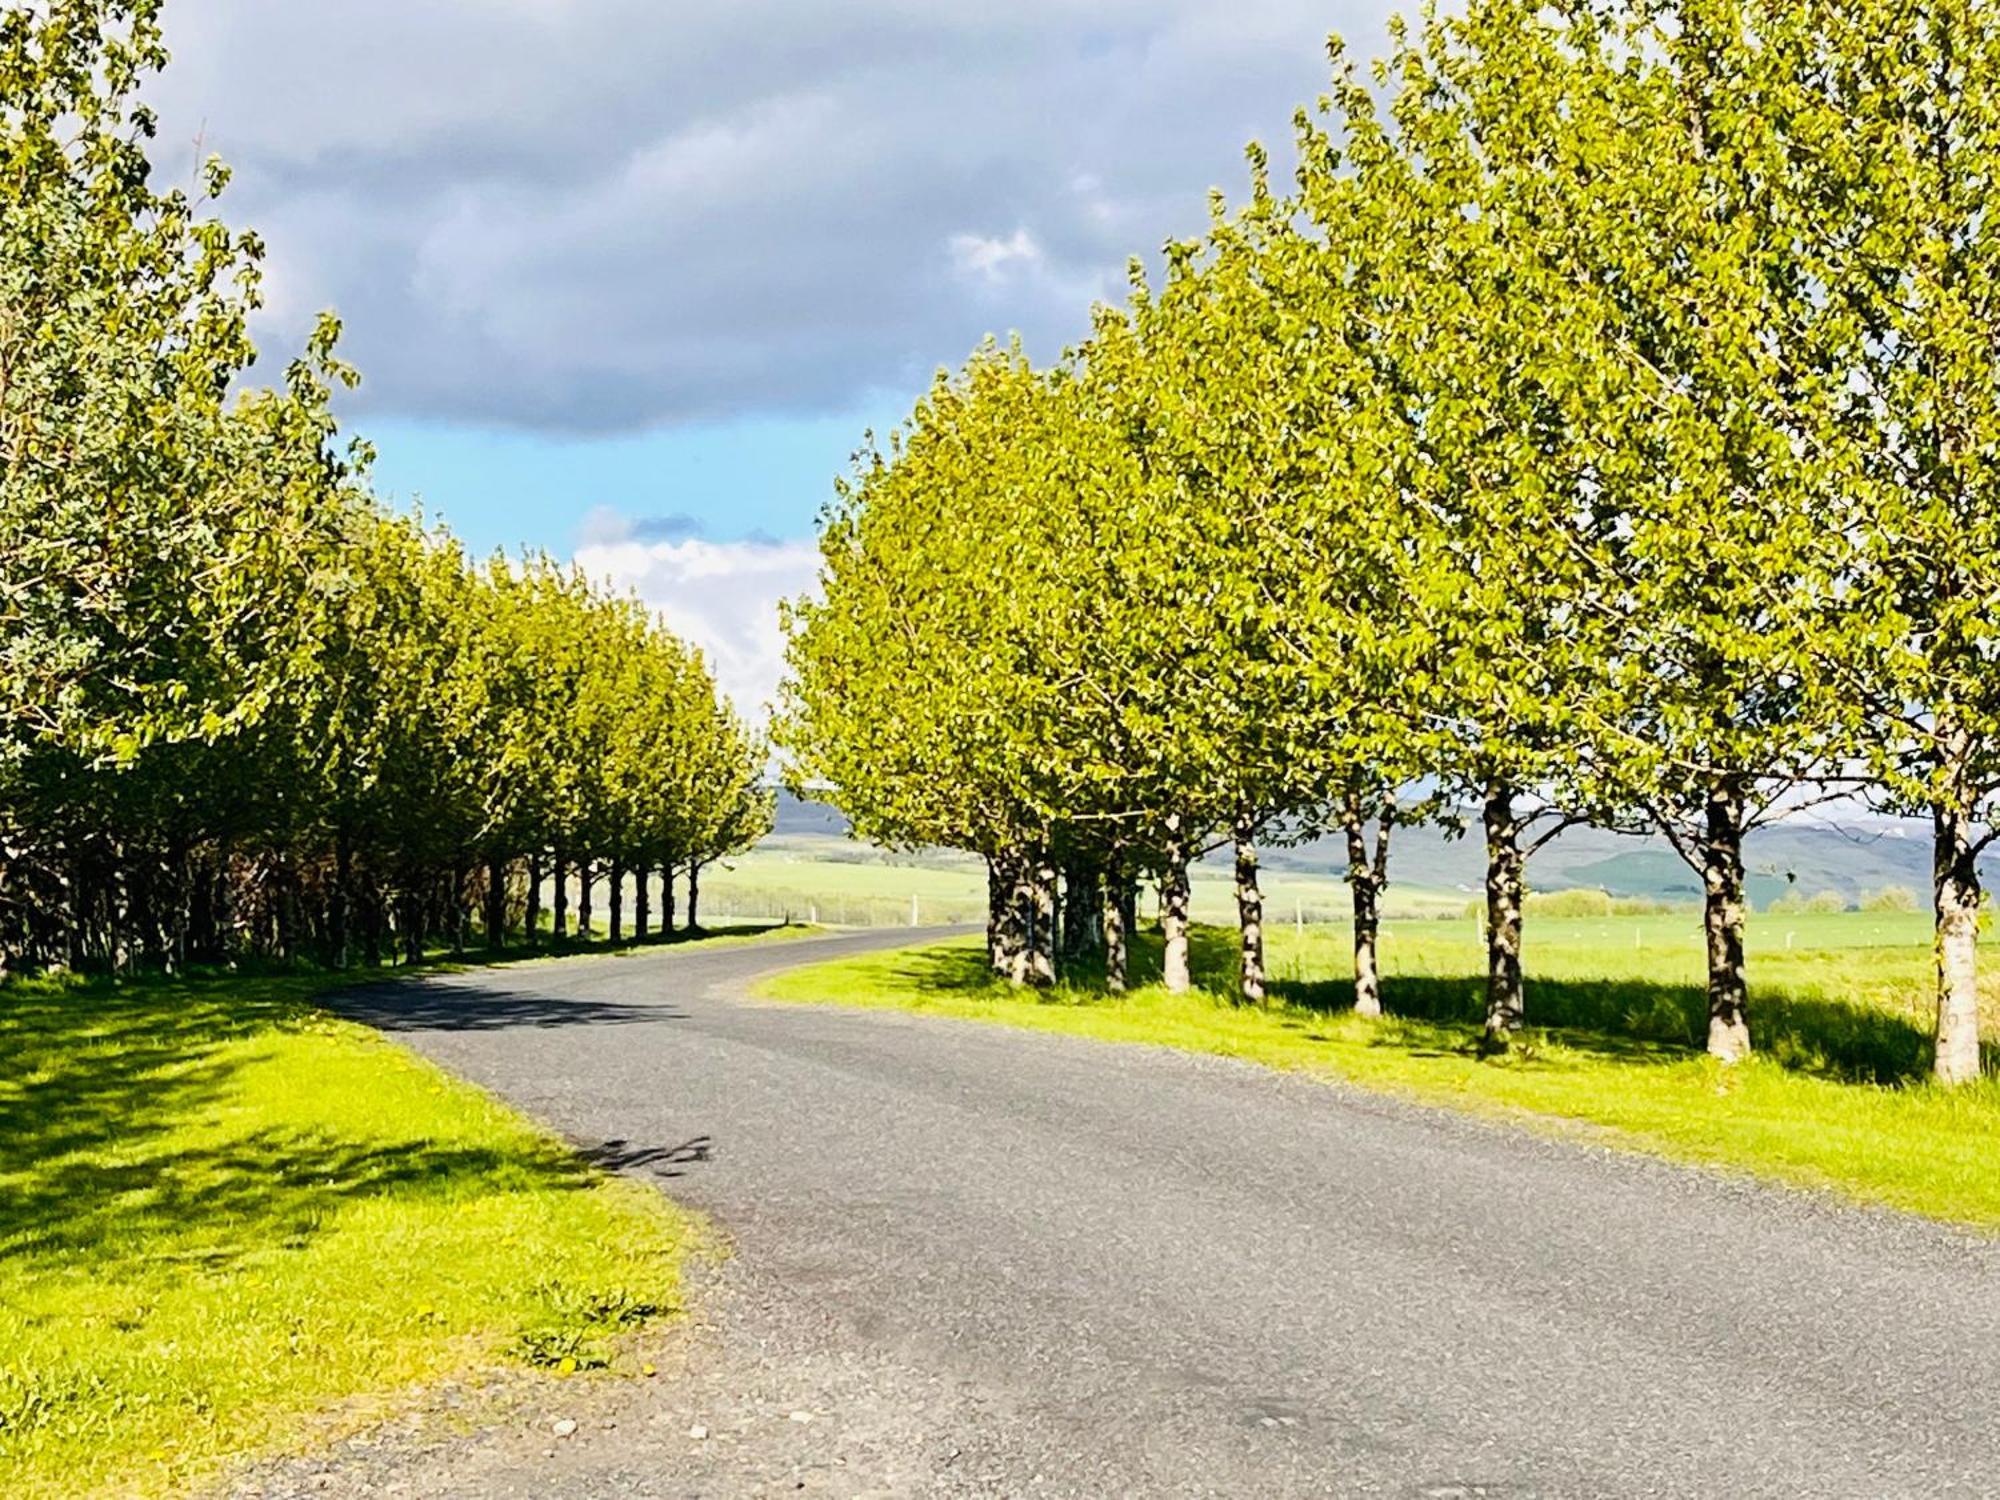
(977,1261)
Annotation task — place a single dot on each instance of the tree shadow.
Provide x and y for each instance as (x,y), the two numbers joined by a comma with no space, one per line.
(1845,1041)
(1634,1020)
(114,1140)
(408,1005)
(572,946)
(661,1161)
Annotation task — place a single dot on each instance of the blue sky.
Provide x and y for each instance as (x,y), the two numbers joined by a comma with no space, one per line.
(627,279)
(747,479)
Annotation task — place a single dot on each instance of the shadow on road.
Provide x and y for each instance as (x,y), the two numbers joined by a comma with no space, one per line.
(434,1007)
(661,1161)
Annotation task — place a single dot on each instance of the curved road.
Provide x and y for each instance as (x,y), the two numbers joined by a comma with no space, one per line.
(976,1261)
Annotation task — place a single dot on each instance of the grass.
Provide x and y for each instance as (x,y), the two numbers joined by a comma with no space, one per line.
(1836,1099)
(857,885)
(228,1220)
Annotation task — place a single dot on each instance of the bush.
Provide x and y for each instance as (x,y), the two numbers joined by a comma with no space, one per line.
(1581,902)
(1826,901)
(1889,898)
(1646,906)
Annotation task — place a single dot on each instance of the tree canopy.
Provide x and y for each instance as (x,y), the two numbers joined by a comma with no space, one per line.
(1596,429)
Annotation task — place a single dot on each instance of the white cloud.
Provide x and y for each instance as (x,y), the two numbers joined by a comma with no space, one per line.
(986,259)
(721,596)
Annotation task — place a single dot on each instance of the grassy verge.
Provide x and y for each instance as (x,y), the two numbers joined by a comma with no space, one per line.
(1836,1100)
(223,1212)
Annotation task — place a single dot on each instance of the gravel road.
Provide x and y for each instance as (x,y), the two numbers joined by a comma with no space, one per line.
(970,1261)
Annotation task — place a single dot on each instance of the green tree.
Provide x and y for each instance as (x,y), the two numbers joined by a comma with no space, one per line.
(1906,144)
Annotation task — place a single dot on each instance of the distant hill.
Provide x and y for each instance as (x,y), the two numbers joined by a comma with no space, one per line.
(1806,857)
(1798,856)
(798,818)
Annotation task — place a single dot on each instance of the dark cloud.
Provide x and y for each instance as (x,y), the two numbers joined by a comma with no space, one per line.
(600,215)
(676,528)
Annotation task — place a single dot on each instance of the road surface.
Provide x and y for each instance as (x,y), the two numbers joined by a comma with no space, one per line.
(976,1261)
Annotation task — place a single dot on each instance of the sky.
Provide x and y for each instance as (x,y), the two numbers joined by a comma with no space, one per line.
(628,280)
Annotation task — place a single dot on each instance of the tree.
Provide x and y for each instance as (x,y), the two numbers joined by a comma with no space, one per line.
(1700,395)
(927,684)
(1472,431)
(1907,140)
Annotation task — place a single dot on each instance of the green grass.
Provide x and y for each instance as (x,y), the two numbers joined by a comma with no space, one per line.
(225,1215)
(1836,1098)
(856,885)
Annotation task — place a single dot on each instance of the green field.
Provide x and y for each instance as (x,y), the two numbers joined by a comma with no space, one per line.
(1837,1098)
(223,1212)
(846,884)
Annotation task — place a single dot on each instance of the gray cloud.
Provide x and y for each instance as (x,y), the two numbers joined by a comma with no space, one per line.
(673,528)
(603,215)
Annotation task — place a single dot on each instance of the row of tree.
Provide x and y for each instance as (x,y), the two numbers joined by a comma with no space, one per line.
(1605,426)
(243,710)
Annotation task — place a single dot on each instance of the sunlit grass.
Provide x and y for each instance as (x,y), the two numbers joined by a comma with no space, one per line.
(222,1211)
(805,880)
(1837,1097)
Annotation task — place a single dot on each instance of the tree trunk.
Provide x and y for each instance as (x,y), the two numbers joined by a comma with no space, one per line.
(561,928)
(1365,879)
(694,895)
(461,908)
(413,922)
(642,901)
(340,904)
(534,912)
(996,916)
(585,879)
(496,902)
(288,914)
(1955,887)
(1174,899)
(616,875)
(1722,920)
(1117,934)
(1040,892)
(375,923)
(1083,904)
(1128,904)
(1011,916)
(667,917)
(1505,1005)
(1249,912)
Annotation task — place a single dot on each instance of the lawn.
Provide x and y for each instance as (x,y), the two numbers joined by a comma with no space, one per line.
(1836,1099)
(224,1213)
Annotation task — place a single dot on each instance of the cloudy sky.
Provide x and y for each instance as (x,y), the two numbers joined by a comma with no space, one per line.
(627,279)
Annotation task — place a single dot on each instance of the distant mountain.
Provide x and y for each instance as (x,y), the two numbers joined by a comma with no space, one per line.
(1801,855)
(799,818)
(1806,857)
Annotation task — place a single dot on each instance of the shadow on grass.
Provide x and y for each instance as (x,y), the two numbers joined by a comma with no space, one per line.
(114,1103)
(1634,1020)
(1638,1020)
(111,1092)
